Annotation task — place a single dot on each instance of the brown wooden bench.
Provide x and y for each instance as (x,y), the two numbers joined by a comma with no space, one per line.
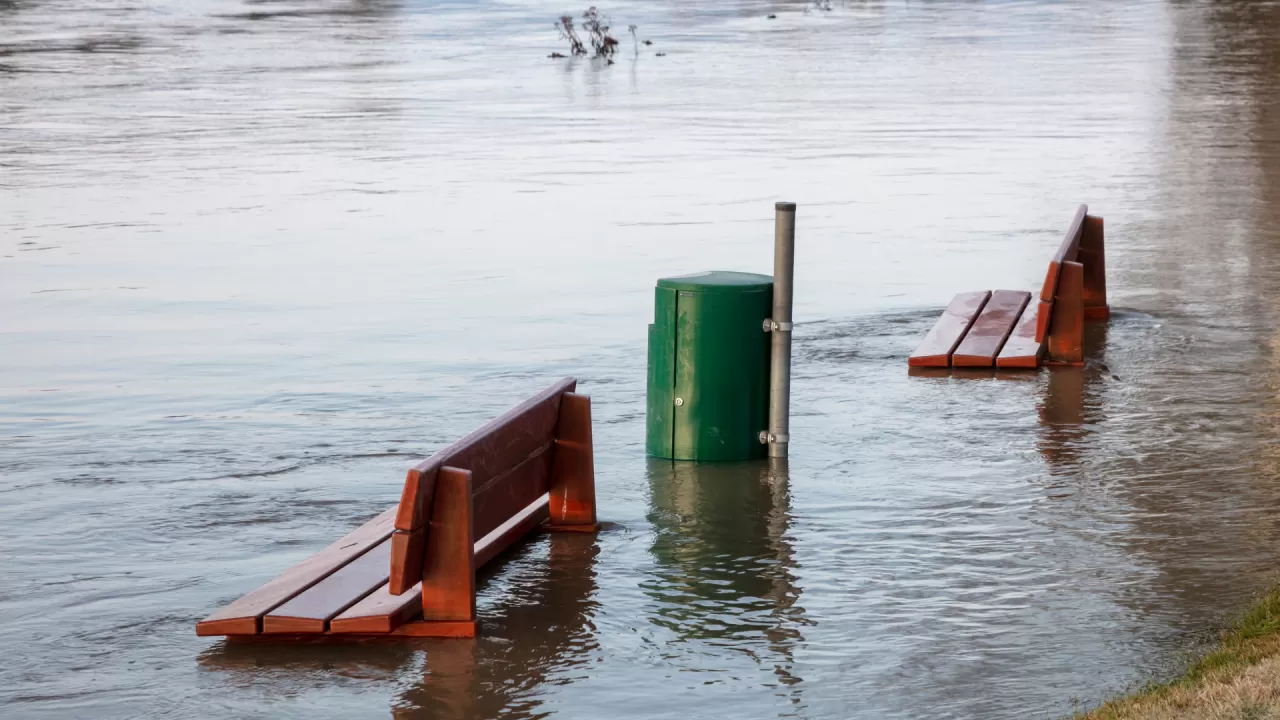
(1010,329)
(410,572)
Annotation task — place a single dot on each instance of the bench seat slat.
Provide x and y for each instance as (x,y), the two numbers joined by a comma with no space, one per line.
(311,611)
(511,531)
(982,343)
(1023,350)
(936,348)
(379,611)
(244,616)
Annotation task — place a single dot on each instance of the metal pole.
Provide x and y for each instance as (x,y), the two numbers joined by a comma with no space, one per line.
(784,256)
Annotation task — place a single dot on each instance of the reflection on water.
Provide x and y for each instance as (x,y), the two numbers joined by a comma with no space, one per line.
(545,629)
(725,567)
(256,257)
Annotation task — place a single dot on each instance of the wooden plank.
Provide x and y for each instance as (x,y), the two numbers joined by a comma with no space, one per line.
(511,492)
(1066,252)
(438,628)
(1022,350)
(1065,343)
(572,486)
(244,616)
(510,532)
(507,440)
(1092,256)
(1042,320)
(379,612)
(414,509)
(936,348)
(449,574)
(408,553)
(311,610)
(407,631)
(984,340)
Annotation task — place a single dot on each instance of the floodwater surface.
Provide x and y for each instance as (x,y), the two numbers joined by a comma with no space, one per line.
(258,257)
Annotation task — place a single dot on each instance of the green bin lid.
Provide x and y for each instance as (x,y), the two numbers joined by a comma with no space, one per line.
(718,281)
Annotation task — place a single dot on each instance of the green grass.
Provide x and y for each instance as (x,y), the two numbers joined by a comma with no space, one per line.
(1234,680)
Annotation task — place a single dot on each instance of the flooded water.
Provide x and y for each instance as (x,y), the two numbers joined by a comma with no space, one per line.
(257,257)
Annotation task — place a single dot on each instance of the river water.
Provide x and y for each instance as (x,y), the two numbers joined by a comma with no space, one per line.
(258,257)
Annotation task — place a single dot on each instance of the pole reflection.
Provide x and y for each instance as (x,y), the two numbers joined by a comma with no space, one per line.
(726,566)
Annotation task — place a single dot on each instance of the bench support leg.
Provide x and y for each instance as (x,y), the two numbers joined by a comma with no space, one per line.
(573,477)
(1066,327)
(1093,257)
(449,573)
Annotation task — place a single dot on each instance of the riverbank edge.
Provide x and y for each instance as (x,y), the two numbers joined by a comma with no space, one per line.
(1238,677)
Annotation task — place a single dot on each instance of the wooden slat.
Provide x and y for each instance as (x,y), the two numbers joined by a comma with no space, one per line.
(509,493)
(507,440)
(449,573)
(982,343)
(423,628)
(379,612)
(510,532)
(1066,252)
(572,487)
(408,553)
(244,616)
(311,610)
(1092,256)
(1022,350)
(936,348)
(414,509)
(1065,343)
(1042,320)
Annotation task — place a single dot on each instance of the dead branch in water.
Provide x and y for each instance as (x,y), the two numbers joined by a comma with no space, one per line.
(596,26)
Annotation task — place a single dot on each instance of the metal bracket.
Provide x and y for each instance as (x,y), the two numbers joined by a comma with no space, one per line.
(771,326)
(767,437)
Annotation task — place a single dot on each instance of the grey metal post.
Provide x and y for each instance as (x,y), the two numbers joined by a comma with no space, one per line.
(784,256)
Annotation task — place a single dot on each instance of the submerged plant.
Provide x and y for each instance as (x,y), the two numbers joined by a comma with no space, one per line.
(568,32)
(596,27)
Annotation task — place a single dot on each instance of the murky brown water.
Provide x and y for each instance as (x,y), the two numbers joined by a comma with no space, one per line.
(255,257)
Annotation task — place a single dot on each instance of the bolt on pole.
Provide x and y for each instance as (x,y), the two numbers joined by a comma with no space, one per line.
(784,255)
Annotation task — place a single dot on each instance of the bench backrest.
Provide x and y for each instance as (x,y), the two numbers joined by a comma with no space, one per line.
(510,461)
(1067,251)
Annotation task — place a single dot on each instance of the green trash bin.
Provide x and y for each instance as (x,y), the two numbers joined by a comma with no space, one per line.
(708,391)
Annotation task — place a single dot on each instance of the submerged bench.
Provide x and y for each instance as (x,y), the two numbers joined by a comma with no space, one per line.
(411,571)
(1010,329)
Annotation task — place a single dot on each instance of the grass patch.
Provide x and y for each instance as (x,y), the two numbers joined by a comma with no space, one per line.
(1238,680)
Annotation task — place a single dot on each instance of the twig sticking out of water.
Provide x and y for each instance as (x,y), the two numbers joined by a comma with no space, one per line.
(597,27)
(567,32)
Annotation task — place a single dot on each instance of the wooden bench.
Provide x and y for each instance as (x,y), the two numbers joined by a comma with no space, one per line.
(1010,329)
(410,572)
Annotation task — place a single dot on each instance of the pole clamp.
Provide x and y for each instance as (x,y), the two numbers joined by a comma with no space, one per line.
(771,326)
(767,437)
